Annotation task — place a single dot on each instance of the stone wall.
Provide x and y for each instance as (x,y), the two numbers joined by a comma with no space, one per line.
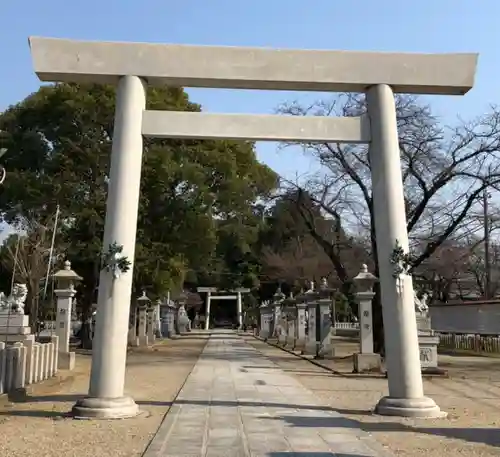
(472,317)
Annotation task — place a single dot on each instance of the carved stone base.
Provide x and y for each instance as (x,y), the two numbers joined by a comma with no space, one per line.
(423,407)
(105,408)
(428,344)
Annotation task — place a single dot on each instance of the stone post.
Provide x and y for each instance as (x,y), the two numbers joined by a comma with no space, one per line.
(65,292)
(142,334)
(406,396)
(158,332)
(324,307)
(55,356)
(133,339)
(171,311)
(366,360)
(311,346)
(277,329)
(265,320)
(151,327)
(291,319)
(19,380)
(300,326)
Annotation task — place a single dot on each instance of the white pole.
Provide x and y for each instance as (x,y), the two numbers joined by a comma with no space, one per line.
(106,392)
(406,396)
(207,317)
(240,311)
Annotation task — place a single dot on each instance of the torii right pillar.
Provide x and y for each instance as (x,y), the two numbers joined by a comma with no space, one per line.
(406,394)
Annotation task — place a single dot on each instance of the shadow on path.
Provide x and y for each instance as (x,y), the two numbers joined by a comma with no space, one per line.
(488,436)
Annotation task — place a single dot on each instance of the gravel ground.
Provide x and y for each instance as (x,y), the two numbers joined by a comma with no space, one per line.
(471,396)
(37,425)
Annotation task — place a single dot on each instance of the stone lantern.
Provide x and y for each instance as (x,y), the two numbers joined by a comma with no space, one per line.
(66,279)
(143,303)
(365,360)
(182,316)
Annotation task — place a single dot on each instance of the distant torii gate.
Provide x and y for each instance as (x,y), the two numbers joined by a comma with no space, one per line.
(210,297)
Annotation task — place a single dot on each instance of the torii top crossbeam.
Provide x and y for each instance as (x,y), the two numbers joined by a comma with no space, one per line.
(252,68)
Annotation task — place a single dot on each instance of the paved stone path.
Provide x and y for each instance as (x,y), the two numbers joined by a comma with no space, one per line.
(237,403)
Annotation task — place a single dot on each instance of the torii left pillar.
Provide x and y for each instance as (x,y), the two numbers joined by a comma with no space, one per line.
(106,397)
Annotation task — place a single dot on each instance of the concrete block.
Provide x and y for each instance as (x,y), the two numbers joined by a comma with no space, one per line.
(66,360)
(367,363)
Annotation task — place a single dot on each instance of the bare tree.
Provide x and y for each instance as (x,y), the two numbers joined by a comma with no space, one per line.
(445,170)
(27,257)
(301,259)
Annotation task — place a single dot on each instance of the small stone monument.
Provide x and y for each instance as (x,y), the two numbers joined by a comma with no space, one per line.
(65,292)
(428,341)
(14,324)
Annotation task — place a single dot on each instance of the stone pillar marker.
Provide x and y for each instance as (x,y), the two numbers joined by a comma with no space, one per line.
(365,360)
(158,332)
(65,291)
(171,310)
(142,305)
(406,394)
(300,326)
(133,339)
(265,320)
(151,324)
(107,379)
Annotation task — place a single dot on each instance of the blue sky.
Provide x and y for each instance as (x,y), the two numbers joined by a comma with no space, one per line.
(385,25)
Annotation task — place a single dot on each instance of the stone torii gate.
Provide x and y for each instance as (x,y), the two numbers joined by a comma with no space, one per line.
(239,304)
(133,66)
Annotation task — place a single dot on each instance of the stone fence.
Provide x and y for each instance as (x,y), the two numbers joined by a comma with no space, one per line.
(469,342)
(27,363)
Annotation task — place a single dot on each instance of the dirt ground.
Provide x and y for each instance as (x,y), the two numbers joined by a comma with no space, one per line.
(37,425)
(470,396)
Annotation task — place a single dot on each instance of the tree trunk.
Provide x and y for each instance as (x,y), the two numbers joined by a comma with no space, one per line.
(85,333)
